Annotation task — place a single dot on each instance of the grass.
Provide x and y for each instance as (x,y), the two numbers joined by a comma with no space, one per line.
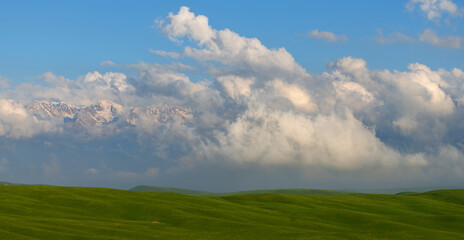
(295,191)
(146,188)
(8,184)
(46,212)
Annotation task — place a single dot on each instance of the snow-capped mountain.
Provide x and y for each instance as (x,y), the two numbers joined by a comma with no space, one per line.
(53,109)
(105,112)
(97,114)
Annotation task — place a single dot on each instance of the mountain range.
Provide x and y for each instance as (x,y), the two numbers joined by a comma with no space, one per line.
(105,112)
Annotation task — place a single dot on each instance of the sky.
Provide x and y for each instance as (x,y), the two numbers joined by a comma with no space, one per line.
(314,94)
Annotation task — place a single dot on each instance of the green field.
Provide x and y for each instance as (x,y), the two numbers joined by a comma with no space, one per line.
(45,212)
(294,191)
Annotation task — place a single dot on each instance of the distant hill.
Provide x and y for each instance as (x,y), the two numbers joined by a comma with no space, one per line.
(404,190)
(46,212)
(296,191)
(20,184)
(145,188)
(9,184)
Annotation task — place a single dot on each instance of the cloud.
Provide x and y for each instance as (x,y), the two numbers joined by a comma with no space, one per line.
(91,171)
(430,37)
(393,38)
(85,90)
(422,94)
(108,63)
(166,84)
(17,122)
(328,36)
(298,96)
(350,66)
(286,138)
(185,23)
(166,54)
(4,82)
(235,86)
(434,9)
(227,47)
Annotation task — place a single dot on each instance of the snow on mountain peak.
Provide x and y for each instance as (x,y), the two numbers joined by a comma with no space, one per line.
(105,112)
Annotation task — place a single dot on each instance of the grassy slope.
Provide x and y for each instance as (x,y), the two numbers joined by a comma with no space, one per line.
(8,184)
(41,212)
(146,188)
(296,191)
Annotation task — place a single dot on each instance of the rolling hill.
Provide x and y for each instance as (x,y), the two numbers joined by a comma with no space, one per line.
(294,191)
(146,188)
(8,184)
(46,212)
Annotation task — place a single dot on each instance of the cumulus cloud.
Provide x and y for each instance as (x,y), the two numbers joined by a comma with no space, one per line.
(85,90)
(328,36)
(299,97)
(17,122)
(421,95)
(340,142)
(434,9)
(352,93)
(430,37)
(227,47)
(236,86)
(352,67)
(166,84)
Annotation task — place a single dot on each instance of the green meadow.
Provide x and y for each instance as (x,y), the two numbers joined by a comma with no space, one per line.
(47,212)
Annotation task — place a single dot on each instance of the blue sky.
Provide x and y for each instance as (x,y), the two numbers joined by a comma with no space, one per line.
(232,95)
(73,37)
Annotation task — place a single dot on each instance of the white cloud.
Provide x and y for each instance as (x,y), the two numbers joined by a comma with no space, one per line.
(236,86)
(328,36)
(228,47)
(355,67)
(17,122)
(434,9)
(393,37)
(91,171)
(166,54)
(298,96)
(185,23)
(166,81)
(430,37)
(273,137)
(116,81)
(108,63)
(353,94)
(85,90)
